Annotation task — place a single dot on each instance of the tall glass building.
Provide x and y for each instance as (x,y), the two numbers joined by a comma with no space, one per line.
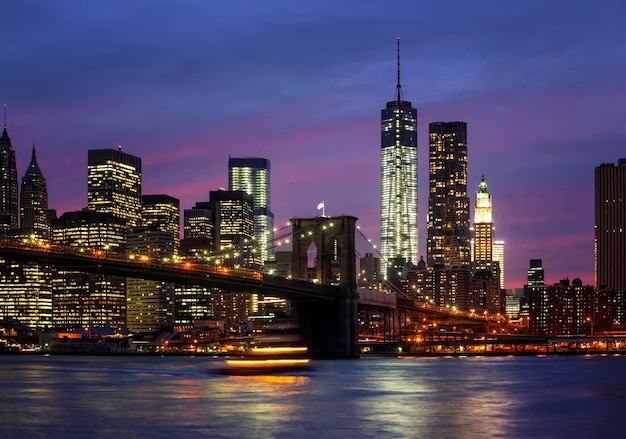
(9,212)
(34,202)
(114,184)
(398,182)
(252,175)
(448,223)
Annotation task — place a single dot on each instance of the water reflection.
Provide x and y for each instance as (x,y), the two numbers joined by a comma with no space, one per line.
(156,398)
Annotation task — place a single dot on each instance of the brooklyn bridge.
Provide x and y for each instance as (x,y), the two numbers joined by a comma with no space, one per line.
(328,308)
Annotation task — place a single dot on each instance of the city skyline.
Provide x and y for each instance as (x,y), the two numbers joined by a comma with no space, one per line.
(540,87)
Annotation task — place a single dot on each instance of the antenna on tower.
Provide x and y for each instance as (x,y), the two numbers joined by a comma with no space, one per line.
(5,115)
(398,87)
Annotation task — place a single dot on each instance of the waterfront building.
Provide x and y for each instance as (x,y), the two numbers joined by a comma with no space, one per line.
(252,175)
(34,218)
(610,226)
(9,212)
(114,184)
(448,223)
(84,300)
(25,288)
(162,212)
(564,309)
(398,182)
(25,294)
(150,304)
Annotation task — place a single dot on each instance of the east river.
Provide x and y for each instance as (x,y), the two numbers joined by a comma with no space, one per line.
(181,397)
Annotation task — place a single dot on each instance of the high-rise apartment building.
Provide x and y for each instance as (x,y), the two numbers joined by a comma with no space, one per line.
(448,223)
(114,184)
(9,212)
(252,175)
(162,212)
(34,202)
(610,226)
(398,181)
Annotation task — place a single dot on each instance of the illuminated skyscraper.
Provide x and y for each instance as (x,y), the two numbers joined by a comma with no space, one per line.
(162,212)
(610,226)
(252,175)
(498,256)
(81,300)
(448,223)
(150,304)
(398,181)
(34,202)
(9,212)
(234,222)
(483,227)
(114,184)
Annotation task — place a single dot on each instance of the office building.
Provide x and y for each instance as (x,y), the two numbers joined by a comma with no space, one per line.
(234,228)
(150,304)
(398,182)
(114,184)
(34,202)
(84,300)
(198,221)
(252,175)
(9,212)
(162,212)
(498,256)
(610,226)
(448,222)
(483,227)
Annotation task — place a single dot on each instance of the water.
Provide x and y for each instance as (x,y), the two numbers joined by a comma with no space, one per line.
(180,397)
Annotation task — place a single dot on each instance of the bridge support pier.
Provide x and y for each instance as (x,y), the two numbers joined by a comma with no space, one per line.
(331,328)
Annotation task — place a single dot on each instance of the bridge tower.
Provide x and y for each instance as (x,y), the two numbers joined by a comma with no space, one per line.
(331,328)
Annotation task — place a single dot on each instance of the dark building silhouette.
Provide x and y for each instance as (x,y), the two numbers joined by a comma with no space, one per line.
(9,212)
(610,226)
(34,215)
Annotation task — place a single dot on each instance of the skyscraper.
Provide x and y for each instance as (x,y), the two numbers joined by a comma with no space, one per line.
(234,223)
(34,201)
(9,212)
(162,212)
(483,227)
(82,300)
(610,226)
(114,184)
(448,223)
(398,181)
(252,175)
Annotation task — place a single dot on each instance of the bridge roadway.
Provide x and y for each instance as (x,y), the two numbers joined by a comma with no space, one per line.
(185,273)
(226,279)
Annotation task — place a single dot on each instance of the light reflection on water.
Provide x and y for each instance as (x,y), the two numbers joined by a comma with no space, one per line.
(156,397)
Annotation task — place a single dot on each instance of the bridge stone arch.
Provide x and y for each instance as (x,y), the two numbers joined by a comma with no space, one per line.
(332,328)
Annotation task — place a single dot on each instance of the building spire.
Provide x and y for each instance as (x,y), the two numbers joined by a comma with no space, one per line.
(399,87)
(5,116)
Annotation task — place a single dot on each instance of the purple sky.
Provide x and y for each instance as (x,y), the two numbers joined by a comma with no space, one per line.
(183,85)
